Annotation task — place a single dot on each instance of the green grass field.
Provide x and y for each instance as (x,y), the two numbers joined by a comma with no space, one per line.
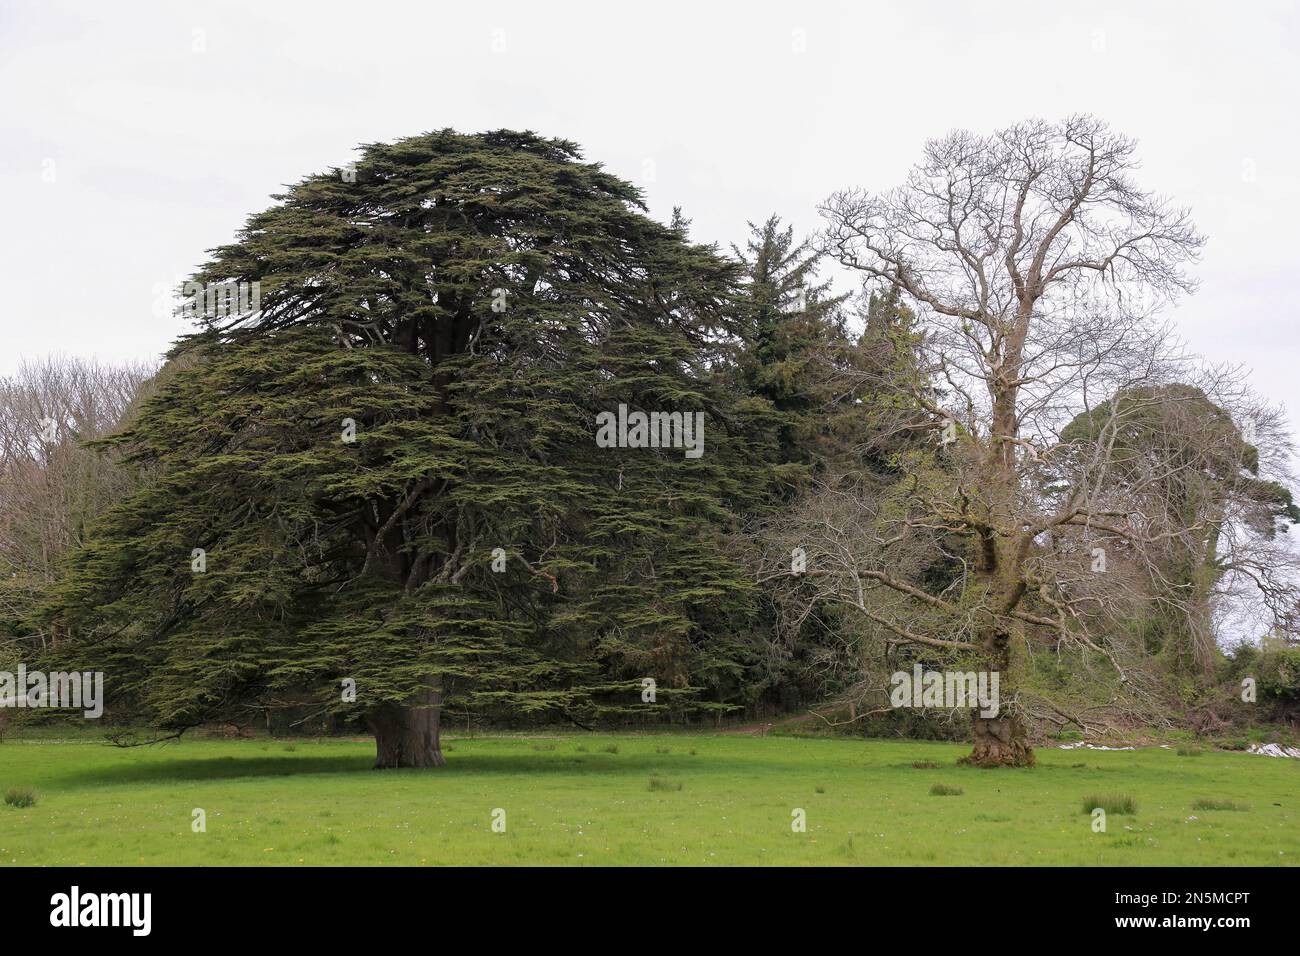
(715,800)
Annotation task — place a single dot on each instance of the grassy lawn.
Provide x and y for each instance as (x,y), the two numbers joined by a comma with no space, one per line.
(589,800)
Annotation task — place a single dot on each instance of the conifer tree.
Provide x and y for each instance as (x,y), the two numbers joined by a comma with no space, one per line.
(792,324)
(378,488)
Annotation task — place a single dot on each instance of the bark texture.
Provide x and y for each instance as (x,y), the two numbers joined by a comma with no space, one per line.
(1000,742)
(406,735)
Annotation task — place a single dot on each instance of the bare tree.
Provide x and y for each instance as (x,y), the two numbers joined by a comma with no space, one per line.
(51,484)
(1035,266)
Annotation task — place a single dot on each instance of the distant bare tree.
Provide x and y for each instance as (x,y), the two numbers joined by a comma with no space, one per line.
(51,485)
(1035,266)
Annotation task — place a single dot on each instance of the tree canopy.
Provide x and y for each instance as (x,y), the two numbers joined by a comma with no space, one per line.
(386,474)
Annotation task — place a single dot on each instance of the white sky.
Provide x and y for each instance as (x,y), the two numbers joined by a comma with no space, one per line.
(159,152)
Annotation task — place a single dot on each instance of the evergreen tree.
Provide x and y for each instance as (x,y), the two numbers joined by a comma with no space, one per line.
(379,488)
(1183,455)
(792,325)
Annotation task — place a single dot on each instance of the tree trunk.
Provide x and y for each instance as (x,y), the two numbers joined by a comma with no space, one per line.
(999,742)
(406,735)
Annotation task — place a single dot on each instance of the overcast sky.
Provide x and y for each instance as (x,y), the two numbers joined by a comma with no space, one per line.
(136,136)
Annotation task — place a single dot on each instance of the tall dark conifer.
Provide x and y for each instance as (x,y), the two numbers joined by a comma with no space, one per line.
(380,491)
(792,324)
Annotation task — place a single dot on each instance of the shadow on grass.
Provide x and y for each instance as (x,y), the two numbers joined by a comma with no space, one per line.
(458,765)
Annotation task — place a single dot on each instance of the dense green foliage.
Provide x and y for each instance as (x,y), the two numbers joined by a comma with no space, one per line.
(468,305)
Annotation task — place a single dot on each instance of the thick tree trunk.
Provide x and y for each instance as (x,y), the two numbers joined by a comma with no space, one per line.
(406,735)
(1000,742)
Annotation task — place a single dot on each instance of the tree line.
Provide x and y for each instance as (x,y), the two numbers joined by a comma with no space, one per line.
(375,498)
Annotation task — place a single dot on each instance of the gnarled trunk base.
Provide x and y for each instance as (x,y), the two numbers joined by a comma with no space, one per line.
(999,742)
(407,735)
